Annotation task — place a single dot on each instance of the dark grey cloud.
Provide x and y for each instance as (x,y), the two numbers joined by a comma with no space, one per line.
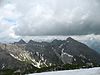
(57,17)
(1,2)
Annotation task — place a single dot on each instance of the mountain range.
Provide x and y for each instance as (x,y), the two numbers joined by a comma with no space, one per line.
(23,56)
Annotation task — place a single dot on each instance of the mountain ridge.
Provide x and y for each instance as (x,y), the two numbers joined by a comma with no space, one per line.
(45,54)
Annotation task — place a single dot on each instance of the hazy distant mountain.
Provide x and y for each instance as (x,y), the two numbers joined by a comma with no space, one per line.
(94,44)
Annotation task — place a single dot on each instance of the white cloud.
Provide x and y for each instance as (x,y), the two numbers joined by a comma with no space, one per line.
(63,17)
(8,19)
(27,18)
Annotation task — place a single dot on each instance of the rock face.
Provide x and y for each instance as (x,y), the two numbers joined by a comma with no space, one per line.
(44,54)
(66,58)
(8,62)
(76,48)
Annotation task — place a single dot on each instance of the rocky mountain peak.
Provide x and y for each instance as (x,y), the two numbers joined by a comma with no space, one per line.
(70,39)
(21,41)
(31,41)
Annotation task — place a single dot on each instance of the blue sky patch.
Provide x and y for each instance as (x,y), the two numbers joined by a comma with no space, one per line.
(10,21)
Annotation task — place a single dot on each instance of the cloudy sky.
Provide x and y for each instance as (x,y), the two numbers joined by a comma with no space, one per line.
(30,19)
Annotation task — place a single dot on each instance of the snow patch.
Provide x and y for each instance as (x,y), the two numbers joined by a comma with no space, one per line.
(90,71)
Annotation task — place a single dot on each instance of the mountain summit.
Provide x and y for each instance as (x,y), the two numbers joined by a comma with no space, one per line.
(21,41)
